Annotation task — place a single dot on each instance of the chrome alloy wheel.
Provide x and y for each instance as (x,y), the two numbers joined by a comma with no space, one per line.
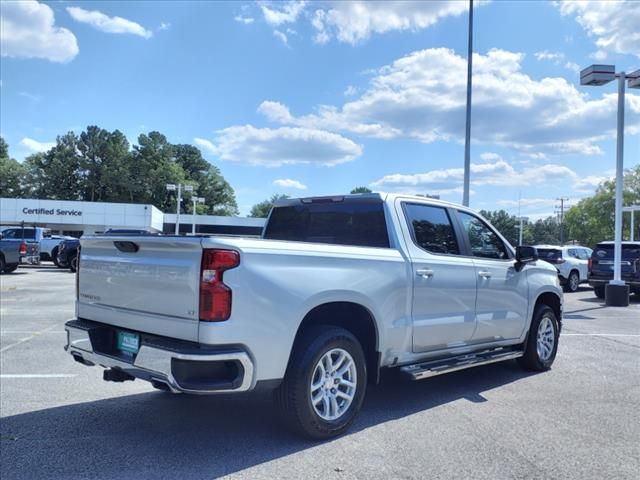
(546,339)
(574,282)
(333,384)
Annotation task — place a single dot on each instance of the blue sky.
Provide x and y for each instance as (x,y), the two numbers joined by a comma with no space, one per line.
(318,98)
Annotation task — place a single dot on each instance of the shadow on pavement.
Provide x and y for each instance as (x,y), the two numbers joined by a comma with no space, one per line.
(157,434)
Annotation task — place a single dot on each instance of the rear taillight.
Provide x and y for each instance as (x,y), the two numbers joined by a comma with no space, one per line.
(23,249)
(215,296)
(590,264)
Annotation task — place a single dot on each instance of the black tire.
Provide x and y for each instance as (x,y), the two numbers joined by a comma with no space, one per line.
(10,268)
(599,291)
(532,360)
(3,265)
(572,283)
(293,396)
(73,262)
(54,257)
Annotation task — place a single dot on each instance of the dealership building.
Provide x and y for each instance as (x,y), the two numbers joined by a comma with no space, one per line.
(78,218)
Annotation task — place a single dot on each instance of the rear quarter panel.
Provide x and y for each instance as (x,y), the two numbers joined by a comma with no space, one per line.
(278,283)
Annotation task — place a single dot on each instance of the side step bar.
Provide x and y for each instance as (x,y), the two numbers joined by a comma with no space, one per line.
(432,368)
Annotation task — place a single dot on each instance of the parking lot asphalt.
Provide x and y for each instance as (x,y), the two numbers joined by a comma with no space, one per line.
(60,420)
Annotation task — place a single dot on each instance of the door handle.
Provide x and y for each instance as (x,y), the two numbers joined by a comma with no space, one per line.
(484,274)
(424,272)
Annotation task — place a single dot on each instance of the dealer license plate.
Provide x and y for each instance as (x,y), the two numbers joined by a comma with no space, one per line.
(128,342)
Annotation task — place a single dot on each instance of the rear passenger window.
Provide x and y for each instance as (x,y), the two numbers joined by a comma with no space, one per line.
(483,241)
(431,228)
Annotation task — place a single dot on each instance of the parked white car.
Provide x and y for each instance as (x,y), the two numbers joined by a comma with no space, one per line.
(572,262)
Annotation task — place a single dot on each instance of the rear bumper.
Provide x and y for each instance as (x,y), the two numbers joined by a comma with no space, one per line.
(601,282)
(30,259)
(181,366)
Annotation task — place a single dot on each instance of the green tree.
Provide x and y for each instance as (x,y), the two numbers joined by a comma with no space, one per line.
(505,223)
(56,174)
(360,190)
(262,209)
(220,199)
(12,174)
(152,168)
(104,160)
(592,219)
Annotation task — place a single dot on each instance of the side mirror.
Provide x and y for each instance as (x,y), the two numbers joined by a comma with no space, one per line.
(525,254)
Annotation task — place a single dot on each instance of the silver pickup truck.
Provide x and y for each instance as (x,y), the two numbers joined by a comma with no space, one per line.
(337,289)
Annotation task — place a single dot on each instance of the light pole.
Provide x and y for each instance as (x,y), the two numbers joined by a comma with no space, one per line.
(616,292)
(467,133)
(172,187)
(521,227)
(195,200)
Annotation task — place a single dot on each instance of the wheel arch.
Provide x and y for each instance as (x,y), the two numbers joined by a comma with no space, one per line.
(553,301)
(353,317)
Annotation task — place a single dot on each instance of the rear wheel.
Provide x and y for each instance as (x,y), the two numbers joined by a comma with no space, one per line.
(73,262)
(572,282)
(599,291)
(325,383)
(542,342)
(12,267)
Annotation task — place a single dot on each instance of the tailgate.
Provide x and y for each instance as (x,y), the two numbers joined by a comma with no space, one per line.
(141,283)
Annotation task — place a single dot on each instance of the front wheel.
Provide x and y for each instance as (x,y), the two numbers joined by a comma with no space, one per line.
(325,383)
(10,268)
(542,342)
(54,257)
(599,291)
(73,262)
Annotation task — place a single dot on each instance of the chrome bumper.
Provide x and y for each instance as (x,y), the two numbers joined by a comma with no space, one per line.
(155,363)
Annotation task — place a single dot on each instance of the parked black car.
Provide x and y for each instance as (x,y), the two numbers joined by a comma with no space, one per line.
(68,254)
(601,266)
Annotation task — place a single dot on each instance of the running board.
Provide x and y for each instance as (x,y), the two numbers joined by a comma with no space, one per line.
(422,370)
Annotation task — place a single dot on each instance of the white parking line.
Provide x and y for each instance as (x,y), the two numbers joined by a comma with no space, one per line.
(28,332)
(601,334)
(38,375)
(26,339)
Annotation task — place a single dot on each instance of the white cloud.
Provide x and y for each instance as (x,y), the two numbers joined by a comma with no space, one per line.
(108,24)
(350,91)
(288,183)
(35,98)
(164,26)
(546,55)
(243,19)
(278,13)
(422,96)
(281,36)
(528,202)
(614,24)
(28,30)
(35,145)
(282,146)
(355,21)
(574,67)
(558,58)
(589,183)
(498,173)
(206,145)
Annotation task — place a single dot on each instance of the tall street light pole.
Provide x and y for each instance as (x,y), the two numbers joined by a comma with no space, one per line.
(467,133)
(195,200)
(172,188)
(616,292)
